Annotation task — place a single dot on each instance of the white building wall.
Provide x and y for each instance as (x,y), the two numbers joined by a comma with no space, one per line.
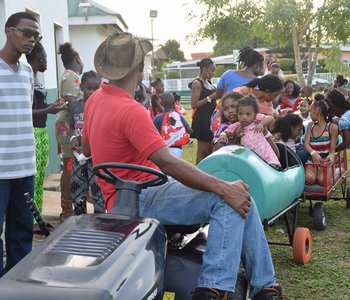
(49,12)
(85,40)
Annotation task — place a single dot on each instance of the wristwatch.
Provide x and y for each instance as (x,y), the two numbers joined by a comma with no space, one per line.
(208,99)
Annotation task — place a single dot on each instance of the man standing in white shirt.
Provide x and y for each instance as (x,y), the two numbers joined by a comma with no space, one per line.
(17,145)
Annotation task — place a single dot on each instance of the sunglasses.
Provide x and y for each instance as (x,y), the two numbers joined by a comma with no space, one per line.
(27,33)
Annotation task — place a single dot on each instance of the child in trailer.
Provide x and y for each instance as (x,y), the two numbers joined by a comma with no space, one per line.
(82,177)
(288,130)
(252,132)
(320,141)
(228,116)
(172,126)
(305,92)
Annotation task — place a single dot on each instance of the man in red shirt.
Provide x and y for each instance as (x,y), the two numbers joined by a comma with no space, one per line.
(119,129)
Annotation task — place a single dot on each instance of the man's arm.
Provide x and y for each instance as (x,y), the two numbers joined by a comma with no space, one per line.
(235,194)
(346,140)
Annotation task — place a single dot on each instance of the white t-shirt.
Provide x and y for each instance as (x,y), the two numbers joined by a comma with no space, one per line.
(17,144)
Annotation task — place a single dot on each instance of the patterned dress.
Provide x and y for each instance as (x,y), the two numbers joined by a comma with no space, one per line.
(256,142)
(322,143)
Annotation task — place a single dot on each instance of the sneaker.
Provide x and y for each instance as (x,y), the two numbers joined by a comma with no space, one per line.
(271,293)
(211,294)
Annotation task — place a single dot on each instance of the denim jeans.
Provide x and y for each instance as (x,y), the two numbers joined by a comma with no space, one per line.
(302,153)
(18,221)
(230,236)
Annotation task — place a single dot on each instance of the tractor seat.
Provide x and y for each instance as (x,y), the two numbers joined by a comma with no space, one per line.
(183,229)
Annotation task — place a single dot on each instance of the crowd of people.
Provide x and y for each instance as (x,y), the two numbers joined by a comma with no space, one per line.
(100,122)
(258,111)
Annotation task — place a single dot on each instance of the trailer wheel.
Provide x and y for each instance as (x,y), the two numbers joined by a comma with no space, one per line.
(348,197)
(302,245)
(320,216)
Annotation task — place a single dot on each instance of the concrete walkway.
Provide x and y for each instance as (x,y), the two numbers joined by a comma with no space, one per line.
(52,198)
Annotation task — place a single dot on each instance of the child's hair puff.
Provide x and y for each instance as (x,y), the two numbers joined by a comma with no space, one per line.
(285,125)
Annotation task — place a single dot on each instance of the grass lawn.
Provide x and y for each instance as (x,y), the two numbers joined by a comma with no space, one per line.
(327,276)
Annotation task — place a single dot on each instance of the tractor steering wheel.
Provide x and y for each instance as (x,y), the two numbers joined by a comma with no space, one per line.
(103,171)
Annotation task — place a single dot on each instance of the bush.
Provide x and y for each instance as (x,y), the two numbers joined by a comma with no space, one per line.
(159,75)
(286,63)
(321,70)
(219,70)
(173,75)
(287,72)
(293,77)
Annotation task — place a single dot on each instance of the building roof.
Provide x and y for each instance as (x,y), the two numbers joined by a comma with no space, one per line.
(95,14)
(218,60)
(200,55)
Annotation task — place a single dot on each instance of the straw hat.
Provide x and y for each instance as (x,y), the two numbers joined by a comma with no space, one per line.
(119,54)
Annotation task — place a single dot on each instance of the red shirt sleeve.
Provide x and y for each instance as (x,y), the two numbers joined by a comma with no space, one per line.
(286,103)
(296,104)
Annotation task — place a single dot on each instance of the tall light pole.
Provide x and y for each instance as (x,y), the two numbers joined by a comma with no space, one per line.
(152,15)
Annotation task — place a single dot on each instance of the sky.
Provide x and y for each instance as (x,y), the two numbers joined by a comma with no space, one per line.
(171,21)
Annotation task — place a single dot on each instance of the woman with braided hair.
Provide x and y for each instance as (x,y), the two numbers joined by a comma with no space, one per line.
(253,66)
(70,92)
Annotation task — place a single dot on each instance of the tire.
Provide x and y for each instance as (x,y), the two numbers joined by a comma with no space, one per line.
(347,197)
(302,246)
(241,287)
(320,217)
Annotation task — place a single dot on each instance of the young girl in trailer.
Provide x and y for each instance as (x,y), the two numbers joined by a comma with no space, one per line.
(252,133)
(228,116)
(320,140)
(288,130)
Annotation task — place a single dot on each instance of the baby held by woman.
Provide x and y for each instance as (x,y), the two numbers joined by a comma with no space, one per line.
(251,131)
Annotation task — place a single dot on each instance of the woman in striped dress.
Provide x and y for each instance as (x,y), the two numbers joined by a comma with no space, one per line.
(320,140)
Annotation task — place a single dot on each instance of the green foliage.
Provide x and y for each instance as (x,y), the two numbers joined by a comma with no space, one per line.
(222,48)
(291,77)
(173,51)
(159,75)
(219,70)
(236,23)
(286,63)
(230,25)
(321,63)
(321,70)
(173,75)
(333,61)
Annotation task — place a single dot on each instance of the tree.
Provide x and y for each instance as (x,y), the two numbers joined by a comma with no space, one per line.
(279,22)
(333,61)
(173,51)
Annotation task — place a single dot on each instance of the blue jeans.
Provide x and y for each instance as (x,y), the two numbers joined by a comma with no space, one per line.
(18,221)
(230,236)
(302,153)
